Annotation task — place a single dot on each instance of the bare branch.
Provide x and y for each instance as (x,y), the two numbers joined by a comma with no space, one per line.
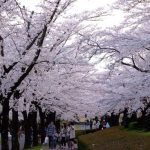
(133,65)
(1,47)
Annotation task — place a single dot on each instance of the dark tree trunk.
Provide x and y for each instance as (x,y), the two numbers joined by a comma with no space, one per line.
(51,117)
(5,124)
(133,117)
(35,130)
(0,123)
(148,122)
(145,116)
(57,123)
(42,125)
(27,130)
(125,118)
(15,143)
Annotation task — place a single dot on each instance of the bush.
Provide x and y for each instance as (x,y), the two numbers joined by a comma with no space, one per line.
(133,125)
(81,145)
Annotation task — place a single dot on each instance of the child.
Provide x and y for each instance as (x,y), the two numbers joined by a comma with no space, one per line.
(58,139)
(75,144)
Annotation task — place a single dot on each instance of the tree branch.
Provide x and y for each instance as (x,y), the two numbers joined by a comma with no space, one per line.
(1,46)
(133,65)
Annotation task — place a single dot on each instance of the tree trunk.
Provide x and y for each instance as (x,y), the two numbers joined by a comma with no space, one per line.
(5,124)
(15,143)
(42,125)
(51,117)
(57,124)
(0,123)
(35,131)
(27,130)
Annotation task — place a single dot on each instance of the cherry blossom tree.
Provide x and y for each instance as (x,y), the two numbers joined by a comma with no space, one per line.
(49,59)
(31,47)
(124,51)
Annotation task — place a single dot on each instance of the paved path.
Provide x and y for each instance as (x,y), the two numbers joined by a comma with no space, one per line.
(46,148)
(22,140)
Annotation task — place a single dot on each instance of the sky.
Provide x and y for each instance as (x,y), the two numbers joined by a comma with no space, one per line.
(81,5)
(88,5)
(85,5)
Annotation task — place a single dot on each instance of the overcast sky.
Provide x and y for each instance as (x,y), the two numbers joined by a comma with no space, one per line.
(81,5)
(85,5)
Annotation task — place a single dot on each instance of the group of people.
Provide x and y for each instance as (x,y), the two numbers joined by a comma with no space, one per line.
(99,124)
(61,138)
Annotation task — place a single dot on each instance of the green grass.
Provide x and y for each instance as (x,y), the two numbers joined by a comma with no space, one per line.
(35,148)
(136,132)
(82,146)
(79,132)
(115,139)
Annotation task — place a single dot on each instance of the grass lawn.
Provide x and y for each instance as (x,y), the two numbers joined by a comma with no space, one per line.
(115,139)
(35,148)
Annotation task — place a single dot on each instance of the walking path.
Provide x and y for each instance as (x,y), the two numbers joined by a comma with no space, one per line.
(46,148)
(21,142)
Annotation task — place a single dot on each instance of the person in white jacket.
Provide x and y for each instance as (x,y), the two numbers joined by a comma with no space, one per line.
(121,118)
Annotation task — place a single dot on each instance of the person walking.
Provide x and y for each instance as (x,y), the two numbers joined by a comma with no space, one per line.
(94,124)
(98,125)
(68,135)
(50,134)
(121,118)
(63,136)
(72,137)
(103,124)
(21,138)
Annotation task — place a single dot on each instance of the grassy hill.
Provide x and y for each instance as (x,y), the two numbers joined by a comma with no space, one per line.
(115,139)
